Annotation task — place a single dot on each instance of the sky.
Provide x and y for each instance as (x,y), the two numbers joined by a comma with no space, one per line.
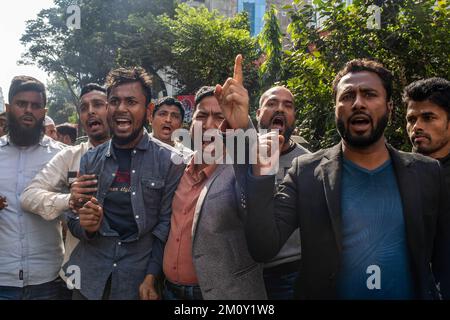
(13,14)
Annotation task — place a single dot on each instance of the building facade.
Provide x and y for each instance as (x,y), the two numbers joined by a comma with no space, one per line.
(254,8)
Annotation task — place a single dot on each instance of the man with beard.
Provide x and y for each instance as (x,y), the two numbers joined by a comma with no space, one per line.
(123,228)
(427,119)
(31,248)
(48,194)
(277,111)
(374,221)
(206,255)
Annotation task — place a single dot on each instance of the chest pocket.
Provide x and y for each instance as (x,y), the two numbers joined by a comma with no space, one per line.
(152,189)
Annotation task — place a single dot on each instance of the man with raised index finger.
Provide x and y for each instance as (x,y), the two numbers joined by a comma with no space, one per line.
(374,221)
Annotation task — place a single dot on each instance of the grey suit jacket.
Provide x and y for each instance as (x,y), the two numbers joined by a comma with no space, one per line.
(224,266)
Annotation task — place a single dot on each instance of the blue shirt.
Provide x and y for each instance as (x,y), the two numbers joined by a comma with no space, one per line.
(31,248)
(375,258)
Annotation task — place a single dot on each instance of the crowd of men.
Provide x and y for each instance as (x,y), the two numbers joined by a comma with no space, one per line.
(130,214)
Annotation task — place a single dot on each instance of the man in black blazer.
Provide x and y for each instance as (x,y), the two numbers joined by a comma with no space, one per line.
(374,221)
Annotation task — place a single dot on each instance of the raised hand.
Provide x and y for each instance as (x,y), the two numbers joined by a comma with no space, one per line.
(233,98)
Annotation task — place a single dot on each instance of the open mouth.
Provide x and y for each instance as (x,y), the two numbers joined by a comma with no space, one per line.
(166,129)
(122,124)
(94,124)
(360,121)
(278,122)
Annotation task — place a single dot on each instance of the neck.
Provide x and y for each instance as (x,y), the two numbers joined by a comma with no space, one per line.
(98,142)
(370,157)
(169,142)
(441,153)
(131,144)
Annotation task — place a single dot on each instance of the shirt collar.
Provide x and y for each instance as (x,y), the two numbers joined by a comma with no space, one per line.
(201,175)
(143,145)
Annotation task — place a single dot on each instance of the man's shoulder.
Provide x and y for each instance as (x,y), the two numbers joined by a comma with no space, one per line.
(315,158)
(97,152)
(410,157)
(53,145)
(176,154)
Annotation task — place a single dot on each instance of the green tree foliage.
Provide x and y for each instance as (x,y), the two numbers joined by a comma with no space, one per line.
(413,42)
(89,53)
(61,106)
(205,45)
(270,40)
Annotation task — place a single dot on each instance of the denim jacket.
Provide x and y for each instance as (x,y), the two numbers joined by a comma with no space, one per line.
(156,169)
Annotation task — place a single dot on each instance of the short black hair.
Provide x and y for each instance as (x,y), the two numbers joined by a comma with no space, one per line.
(121,76)
(170,101)
(26,83)
(436,90)
(203,92)
(360,65)
(69,130)
(92,87)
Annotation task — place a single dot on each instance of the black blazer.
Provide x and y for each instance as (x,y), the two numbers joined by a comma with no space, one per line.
(309,198)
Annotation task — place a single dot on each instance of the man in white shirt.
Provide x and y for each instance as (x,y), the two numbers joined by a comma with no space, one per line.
(48,194)
(31,249)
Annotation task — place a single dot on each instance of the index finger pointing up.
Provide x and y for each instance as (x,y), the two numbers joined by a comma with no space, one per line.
(238,76)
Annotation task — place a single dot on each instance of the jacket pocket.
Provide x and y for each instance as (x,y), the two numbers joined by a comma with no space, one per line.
(245,270)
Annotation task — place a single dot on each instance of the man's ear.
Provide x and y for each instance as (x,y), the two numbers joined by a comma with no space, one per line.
(7,107)
(149,115)
(390,106)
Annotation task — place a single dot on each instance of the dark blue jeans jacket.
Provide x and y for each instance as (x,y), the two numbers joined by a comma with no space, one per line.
(155,172)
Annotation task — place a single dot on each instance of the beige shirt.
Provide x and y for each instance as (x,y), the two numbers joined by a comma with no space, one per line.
(48,193)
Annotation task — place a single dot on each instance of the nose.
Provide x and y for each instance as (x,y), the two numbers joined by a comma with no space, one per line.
(418,126)
(122,106)
(168,118)
(28,108)
(91,109)
(210,123)
(359,102)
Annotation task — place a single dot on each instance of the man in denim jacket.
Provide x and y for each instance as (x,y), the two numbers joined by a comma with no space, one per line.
(123,228)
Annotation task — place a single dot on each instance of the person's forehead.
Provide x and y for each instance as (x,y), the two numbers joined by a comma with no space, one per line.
(132,89)
(169,108)
(362,80)
(278,93)
(209,104)
(30,96)
(426,106)
(93,95)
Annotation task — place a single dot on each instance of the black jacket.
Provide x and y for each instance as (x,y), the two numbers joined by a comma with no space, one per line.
(309,198)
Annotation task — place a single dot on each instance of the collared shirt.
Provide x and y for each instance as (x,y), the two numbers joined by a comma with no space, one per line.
(178,264)
(49,192)
(31,248)
(155,173)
